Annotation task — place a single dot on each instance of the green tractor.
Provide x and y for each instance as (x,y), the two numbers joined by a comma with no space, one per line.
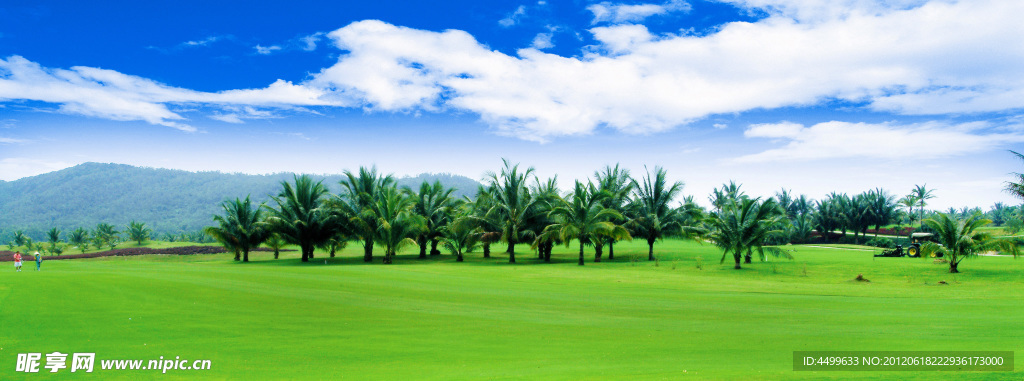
(913,250)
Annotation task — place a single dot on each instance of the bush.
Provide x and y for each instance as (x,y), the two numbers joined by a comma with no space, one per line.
(881,242)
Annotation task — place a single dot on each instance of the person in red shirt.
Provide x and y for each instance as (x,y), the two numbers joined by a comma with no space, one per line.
(17,261)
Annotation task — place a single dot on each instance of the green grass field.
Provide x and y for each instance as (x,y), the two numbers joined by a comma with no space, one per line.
(438,319)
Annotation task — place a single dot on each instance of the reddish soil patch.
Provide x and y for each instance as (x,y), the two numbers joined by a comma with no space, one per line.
(7,256)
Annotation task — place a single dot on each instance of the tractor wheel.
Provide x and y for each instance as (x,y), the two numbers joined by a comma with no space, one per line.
(913,252)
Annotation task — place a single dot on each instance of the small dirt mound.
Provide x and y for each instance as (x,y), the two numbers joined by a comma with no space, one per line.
(861,278)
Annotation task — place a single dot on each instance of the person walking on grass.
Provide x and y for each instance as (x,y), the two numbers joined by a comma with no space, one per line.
(17,261)
(39,260)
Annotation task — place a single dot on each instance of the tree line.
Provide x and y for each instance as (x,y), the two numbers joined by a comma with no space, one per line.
(516,207)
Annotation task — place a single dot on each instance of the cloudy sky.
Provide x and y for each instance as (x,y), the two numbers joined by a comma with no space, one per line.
(809,95)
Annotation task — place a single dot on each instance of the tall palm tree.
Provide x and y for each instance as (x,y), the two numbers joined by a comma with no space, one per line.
(434,202)
(959,239)
(361,192)
(828,217)
(908,202)
(241,227)
(582,217)
(618,185)
(883,208)
(652,215)
(397,224)
(744,225)
(302,216)
(547,195)
(514,206)
(922,194)
(1016,188)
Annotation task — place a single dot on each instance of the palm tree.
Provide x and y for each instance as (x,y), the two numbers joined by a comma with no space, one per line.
(652,216)
(829,216)
(461,235)
(618,185)
(19,238)
(858,215)
(1016,188)
(483,212)
(547,198)
(397,223)
(922,194)
(583,218)
(514,206)
(301,216)
(435,204)
(908,202)
(275,242)
(241,228)
(356,203)
(883,208)
(959,239)
(744,225)
(138,232)
(106,235)
(80,237)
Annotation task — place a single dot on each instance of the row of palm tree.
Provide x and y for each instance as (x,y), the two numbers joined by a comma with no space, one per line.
(516,207)
(372,210)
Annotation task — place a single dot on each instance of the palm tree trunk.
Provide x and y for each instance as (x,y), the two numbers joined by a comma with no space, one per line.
(458,257)
(598,248)
(368,251)
(737,257)
(511,247)
(746,259)
(433,247)
(332,251)
(953,265)
(487,250)
(581,253)
(245,255)
(548,246)
(423,248)
(276,252)
(305,252)
(511,253)
(611,250)
(650,250)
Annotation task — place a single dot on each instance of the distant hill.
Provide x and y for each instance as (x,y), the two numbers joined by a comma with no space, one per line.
(169,201)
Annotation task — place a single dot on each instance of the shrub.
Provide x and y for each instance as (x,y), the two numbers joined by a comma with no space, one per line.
(881,242)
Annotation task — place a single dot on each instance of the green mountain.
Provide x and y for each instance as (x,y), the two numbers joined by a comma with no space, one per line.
(168,201)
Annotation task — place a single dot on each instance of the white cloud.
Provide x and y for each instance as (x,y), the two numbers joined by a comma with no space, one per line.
(636,82)
(885,141)
(204,42)
(823,10)
(308,43)
(514,17)
(4,140)
(720,126)
(542,41)
(266,49)
(112,95)
(912,57)
(620,13)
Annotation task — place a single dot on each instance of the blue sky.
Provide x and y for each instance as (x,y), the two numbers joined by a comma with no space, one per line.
(813,96)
